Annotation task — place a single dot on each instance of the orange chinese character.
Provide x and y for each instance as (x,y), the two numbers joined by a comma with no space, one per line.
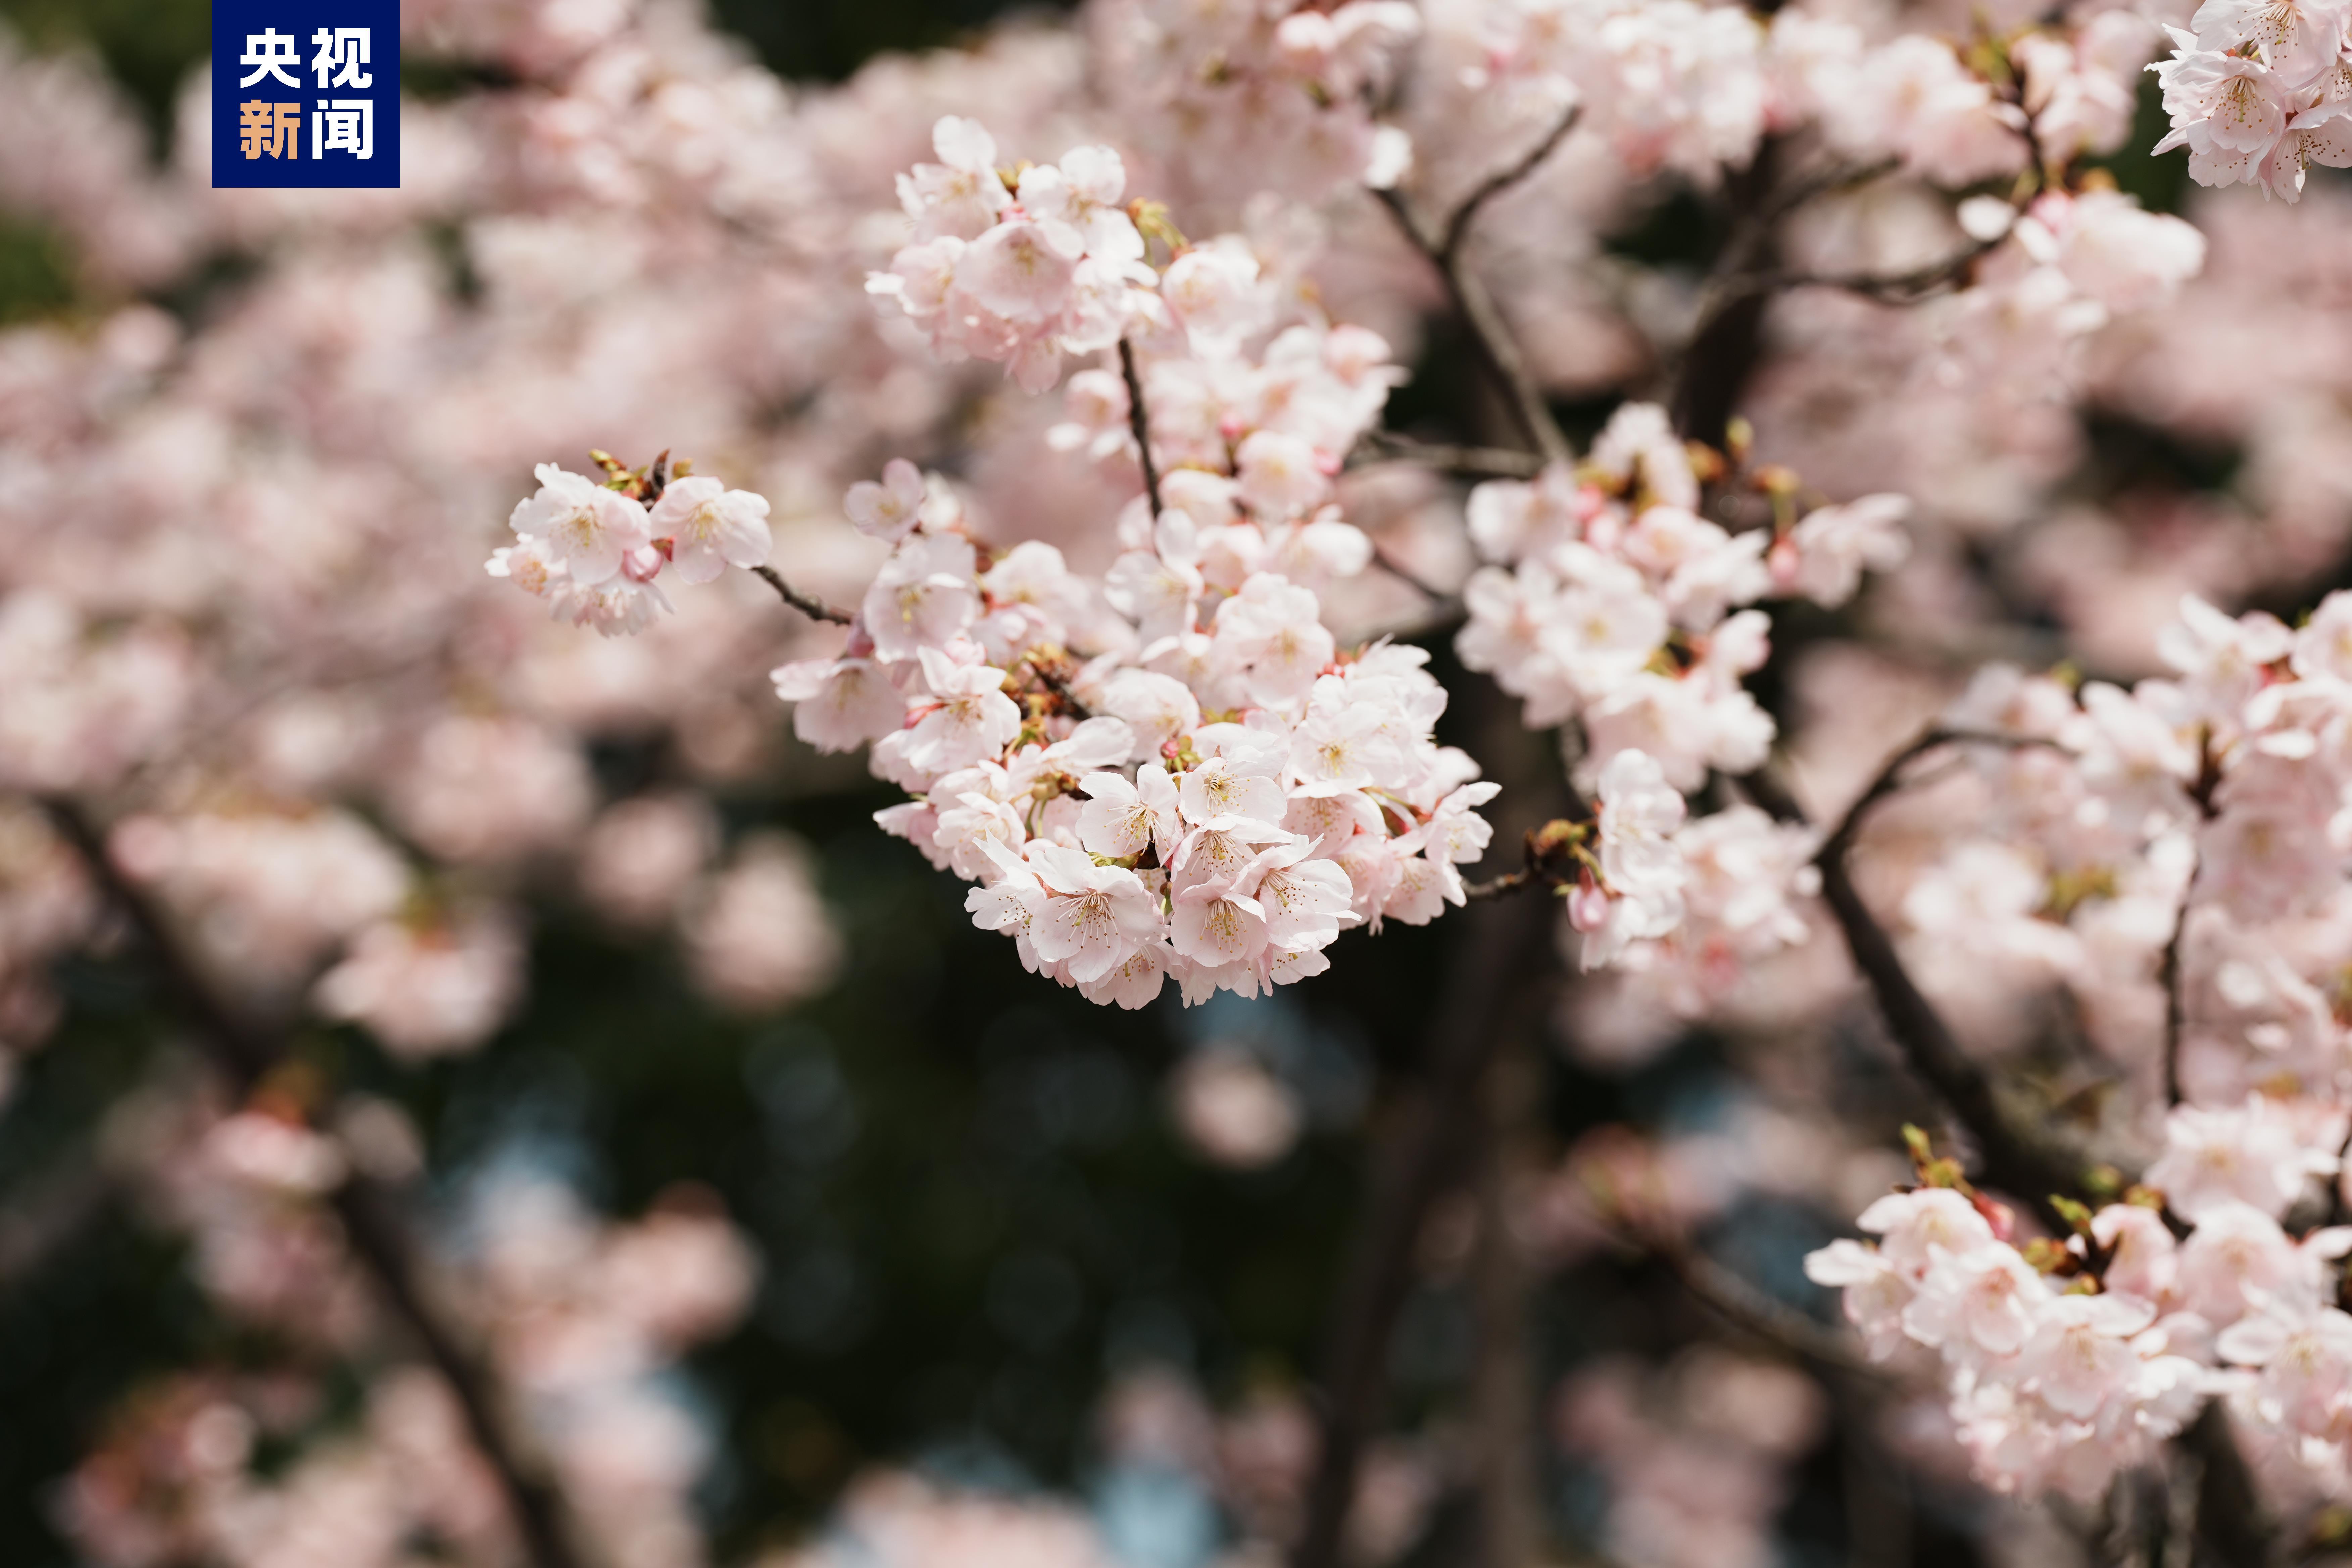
(269,130)
(256,125)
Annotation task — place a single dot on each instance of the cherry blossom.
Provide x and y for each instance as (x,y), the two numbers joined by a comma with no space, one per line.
(1148,662)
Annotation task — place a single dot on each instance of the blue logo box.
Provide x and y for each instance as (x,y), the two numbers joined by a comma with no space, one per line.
(306,93)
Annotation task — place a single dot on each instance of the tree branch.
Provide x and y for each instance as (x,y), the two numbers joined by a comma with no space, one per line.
(1723,346)
(1457,227)
(1503,944)
(1744,1306)
(1468,462)
(2232,1528)
(1492,338)
(1497,887)
(809,605)
(2013,1158)
(2175,1012)
(1893,288)
(1140,421)
(1437,596)
(1504,1377)
(248,1053)
(2209,779)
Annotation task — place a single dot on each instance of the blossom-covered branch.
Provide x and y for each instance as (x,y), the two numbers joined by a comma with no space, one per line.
(246,1053)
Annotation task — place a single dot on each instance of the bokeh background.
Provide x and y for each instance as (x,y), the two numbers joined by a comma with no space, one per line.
(975,1208)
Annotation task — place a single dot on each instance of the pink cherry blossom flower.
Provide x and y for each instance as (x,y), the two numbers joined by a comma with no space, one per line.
(586,527)
(710,528)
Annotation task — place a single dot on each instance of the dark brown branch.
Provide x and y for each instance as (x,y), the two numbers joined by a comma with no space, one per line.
(1725,346)
(1496,349)
(1413,580)
(2016,1160)
(1504,1380)
(1139,421)
(809,605)
(1055,681)
(1502,943)
(247,1052)
(2209,779)
(2175,1013)
(1730,337)
(1549,860)
(2233,1527)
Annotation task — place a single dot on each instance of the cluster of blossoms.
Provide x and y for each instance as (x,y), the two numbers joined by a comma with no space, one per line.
(2057,272)
(585,1320)
(1017,268)
(1026,267)
(2051,1387)
(596,552)
(2068,1362)
(2259,92)
(1175,770)
(1162,754)
(1609,601)
(2201,816)
(1695,87)
(1669,82)
(1287,88)
(2202,812)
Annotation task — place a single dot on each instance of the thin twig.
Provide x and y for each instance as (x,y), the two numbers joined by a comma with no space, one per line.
(1055,682)
(1497,348)
(809,605)
(1413,580)
(1890,779)
(1804,188)
(248,1053)
(1457,227)
(1892,287)
(1468,462)
(2209,779)
(1724,345)
(1496,887)
(1745,1306)
(1138,420)
(2175,1012)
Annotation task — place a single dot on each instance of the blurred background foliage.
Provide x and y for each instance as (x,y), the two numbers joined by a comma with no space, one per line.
(970,1201)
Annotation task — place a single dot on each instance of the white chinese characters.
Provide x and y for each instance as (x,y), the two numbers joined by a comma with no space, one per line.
(270,53)
(343,53)
(343,125)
